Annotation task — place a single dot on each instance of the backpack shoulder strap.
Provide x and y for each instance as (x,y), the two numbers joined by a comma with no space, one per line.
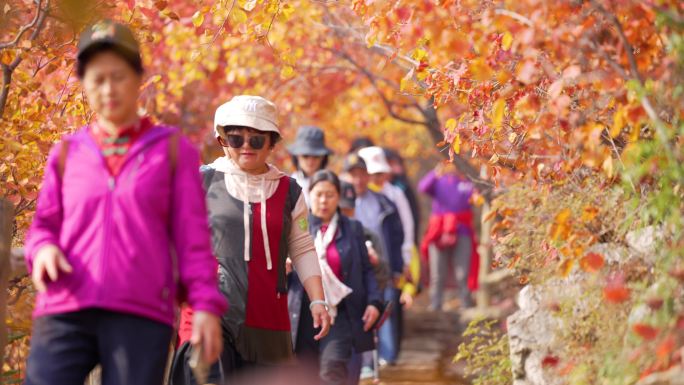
(294,192)
(207,176)
(61,160)
(173,152)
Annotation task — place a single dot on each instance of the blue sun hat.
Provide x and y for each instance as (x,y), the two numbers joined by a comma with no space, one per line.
(310,141)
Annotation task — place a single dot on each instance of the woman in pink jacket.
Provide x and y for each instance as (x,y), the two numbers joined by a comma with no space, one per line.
(120,232)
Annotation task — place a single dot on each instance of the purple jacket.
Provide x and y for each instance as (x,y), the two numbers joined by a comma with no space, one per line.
(118,233)
(450,194)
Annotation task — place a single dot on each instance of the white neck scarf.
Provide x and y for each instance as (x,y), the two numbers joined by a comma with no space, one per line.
(334,289)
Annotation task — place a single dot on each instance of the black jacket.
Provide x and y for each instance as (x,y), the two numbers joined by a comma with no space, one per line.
(357,273)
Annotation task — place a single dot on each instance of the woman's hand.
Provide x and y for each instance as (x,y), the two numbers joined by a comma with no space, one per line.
(372,255)
(49,260)
(321,319)
(406,299)
(288,266)
(206,332)
(369,317)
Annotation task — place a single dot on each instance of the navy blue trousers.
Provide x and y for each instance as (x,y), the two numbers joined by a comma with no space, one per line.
(66,347)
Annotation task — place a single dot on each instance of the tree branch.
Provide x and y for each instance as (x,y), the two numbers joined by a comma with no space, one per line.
(23,29)
(514,15)
(8,69)
(623,38)
(645,101)
(371,77)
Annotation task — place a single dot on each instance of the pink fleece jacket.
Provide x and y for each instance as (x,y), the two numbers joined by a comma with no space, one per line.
(120,233)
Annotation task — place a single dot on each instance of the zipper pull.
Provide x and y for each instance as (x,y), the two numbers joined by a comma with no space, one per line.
(112,183)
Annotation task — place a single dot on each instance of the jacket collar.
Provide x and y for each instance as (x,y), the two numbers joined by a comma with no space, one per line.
(386,206)
(315,224)
(155,133)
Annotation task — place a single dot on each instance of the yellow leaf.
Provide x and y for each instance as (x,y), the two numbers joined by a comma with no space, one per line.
(403,86)
(512,137)
(477,199)
(286,11)
(503,76)
(287,72)
(565,267)
(197,19)
(498,113)
(238,16)
(481,70)
(560,229)
(248,5)
(419,54)
(422,75)
(607,166)
(563,216)
(494,159)
(451,124)
(506,41)
(456,144)
(6,57)
(371,39)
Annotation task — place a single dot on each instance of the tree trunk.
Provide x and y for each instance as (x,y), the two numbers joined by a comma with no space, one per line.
(6,221)
(485,251)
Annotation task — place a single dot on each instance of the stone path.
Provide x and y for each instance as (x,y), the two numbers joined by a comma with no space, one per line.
(430,342)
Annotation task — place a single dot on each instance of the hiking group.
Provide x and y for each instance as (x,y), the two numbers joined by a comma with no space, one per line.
(310,270)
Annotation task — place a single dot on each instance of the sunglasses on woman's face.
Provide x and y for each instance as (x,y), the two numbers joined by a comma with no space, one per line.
(256,142)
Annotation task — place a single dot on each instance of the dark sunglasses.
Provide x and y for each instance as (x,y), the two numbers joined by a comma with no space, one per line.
(256,142)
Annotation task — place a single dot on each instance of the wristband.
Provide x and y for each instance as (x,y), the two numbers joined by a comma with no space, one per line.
(319,302)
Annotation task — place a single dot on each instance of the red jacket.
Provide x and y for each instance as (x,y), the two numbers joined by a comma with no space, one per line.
(447,223)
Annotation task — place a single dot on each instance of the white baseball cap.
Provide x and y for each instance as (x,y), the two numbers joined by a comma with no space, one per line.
(247,111)
(375,159)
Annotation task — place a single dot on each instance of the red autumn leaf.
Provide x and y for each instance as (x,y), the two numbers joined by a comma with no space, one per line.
(616,294)
(654,303)
(665,348)
(644,331)
(161,5)
(678,274)
(592,262)
(403,13)
(566,369)
(550,361)
(615,290)
(680,322)
(149,13)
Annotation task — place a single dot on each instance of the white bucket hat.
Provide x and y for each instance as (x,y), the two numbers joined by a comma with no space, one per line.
(247,111)
(375,159)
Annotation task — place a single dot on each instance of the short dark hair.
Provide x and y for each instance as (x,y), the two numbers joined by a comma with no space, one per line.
(273,136)
(133,59)
(359,143)
(324,164)
(325,176)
